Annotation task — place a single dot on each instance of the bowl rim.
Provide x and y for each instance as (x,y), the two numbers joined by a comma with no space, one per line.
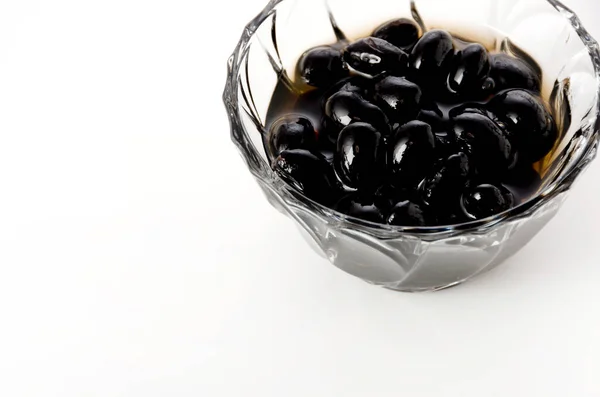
(260,169)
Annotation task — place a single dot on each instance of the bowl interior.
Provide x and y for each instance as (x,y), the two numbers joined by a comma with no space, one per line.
(551,34)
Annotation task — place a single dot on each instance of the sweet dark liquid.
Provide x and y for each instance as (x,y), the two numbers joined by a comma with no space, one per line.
(296,98)
(523,183)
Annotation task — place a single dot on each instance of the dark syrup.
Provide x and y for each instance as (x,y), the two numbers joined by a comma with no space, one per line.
(523,181)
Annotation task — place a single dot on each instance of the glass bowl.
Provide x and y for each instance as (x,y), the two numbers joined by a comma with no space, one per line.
(432,258)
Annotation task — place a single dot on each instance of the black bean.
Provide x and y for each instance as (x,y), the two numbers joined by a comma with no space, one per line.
(345,108)
(403,33)
(444,185)
(322,66)
(411,153)
(470,67)
(408,214)
(291,132)
(398,98)
(360,155)
(374,56)
(530,125)
(485,200)
(485,141)
(511,72)
(309,173)
(361,206)
(432,56)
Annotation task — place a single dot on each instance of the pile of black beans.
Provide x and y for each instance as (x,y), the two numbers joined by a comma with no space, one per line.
(417,129)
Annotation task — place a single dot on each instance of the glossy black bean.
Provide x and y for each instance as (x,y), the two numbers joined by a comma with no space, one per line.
(360,155)
(408,214)
(485,141)
(361,206)
(399,98)
(444,185)
(291,132)
(374,56)
(411,153)
(309,173)
(477,108)
(511,72)
(432,56)
(431,114)
(470,107)
(356,84)
(344,108)
(486,200)
(387,195)
(530,125)
(322,66)
(403,33)
(470,67)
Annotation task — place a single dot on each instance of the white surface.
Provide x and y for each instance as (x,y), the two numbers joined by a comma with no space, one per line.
(138,258)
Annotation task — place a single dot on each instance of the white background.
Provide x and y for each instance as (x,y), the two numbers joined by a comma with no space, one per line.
(138,257)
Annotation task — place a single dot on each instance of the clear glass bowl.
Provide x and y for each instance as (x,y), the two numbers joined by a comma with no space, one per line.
(420,259)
